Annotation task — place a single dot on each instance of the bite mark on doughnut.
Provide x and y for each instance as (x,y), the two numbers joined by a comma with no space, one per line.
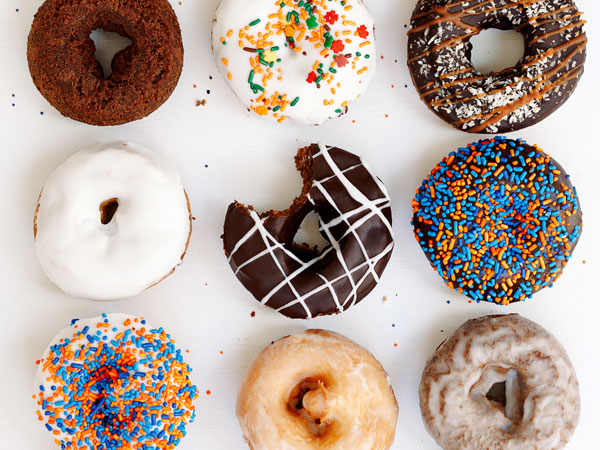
(108,209)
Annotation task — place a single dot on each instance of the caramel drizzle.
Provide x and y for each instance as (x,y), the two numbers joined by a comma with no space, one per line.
(542,87)
(500,112)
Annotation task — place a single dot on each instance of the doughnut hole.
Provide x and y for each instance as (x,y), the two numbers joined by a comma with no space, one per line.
(504,390)
(494,50)
(308,402)
(108,209)
(108,44)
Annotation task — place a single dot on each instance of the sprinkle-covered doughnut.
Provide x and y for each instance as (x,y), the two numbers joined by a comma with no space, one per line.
(500,383)
(300,61)
(498,220)
(354,216)
(114,383)
(439,58)
(111,221)
(317,390)
(64,69)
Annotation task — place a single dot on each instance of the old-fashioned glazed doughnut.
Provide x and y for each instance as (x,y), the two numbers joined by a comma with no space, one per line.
(500,383)
(498,220)
(111,221)
(114,383)
(317,390)
(354,216)
(296,61)
(439,58)
(65,71)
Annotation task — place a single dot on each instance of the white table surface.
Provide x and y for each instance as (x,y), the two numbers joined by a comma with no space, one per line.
(224,154)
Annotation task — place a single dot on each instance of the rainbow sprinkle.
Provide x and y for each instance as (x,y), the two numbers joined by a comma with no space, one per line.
(112,383)
(498,220)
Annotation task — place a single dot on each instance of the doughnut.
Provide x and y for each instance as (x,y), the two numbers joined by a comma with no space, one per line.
(439,59)
(355,217)
(317,390)
(114,382)
(500,383)
(498,220)
(300,62)
(64,69)
(111,221)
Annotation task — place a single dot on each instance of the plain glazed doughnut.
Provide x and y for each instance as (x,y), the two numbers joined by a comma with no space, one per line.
(317,390)
(354,217)
(111,221)
(63,67)
(500,383)
(439,59)
(295,61)
(114,382)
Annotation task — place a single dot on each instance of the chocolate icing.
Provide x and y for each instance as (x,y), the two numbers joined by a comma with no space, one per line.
(439,59)
(354,216)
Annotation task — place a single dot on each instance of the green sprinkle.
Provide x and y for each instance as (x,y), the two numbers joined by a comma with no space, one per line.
(339,111)
(312,22)
(274,49)
(296,100)
(357,53)
(328,42)
(318,80)
(277,108)
(259,87)
(332,70)
(251,76)
(224,42)
(367,56)
(254,22)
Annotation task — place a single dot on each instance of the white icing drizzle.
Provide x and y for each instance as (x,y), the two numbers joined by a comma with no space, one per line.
(542,393)
(375,209)
(146,238)
(282,79)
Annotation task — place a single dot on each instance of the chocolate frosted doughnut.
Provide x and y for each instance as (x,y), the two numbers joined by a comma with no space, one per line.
(439,59)
(500,383)
(498,220)
(354,216)
(65,71)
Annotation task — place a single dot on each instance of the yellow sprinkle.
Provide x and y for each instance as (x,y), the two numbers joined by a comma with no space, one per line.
(229,76)
(364,44)
(225,61)
(229,33)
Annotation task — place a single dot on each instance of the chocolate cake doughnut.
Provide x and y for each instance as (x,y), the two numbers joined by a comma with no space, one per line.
(439,59)
(354,216)
(500,383)
(63,67)
(498,220)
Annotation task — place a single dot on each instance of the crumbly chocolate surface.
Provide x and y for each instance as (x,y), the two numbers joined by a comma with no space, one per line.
(64,69)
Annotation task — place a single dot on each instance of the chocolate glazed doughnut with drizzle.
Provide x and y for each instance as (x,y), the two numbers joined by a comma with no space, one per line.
(439,59)
(354,217)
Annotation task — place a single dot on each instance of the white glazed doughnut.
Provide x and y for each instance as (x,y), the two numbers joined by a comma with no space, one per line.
(500,383)
(111,221)
(303,62)
(317,390)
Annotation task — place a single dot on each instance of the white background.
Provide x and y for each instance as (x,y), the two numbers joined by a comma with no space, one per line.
(203,305)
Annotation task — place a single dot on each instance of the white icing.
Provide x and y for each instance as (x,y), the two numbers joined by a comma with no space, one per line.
(542,408)
(144,241)
(374,208)
(338,90)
